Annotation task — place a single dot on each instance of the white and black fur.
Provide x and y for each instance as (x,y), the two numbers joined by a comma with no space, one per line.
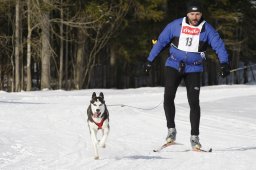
(98,119)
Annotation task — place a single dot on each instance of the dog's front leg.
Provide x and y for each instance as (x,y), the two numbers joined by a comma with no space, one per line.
(94,143)
(104,137)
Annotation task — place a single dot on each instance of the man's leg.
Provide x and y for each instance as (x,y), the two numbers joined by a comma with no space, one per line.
(192,81)
(172,81)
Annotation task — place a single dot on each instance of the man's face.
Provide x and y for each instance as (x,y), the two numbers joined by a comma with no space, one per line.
(194,18)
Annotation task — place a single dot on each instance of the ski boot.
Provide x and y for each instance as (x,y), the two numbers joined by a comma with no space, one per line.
(171,136)
(195,144)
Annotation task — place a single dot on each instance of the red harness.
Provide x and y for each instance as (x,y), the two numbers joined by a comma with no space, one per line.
(102,121)
(99,124)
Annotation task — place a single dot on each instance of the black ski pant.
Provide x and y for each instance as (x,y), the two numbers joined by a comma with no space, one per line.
(192,81)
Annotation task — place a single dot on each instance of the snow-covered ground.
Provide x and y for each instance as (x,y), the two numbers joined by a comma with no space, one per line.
(47,130)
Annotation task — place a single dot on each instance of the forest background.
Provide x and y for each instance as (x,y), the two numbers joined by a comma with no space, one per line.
(80,44)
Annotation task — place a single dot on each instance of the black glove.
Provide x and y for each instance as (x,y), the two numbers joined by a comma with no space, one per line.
(224,70)
(147,66)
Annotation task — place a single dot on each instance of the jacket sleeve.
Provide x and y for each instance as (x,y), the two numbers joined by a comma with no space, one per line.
(163,39)
(217,44)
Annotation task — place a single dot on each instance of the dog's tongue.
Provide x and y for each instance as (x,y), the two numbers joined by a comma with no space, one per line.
(96,114)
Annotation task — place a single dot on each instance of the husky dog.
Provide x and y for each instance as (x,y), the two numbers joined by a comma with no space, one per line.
(98,119)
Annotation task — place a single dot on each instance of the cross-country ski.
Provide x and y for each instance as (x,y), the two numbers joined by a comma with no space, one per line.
(174,143)
(164,146)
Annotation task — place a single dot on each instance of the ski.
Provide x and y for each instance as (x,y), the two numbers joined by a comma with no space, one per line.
(202,150)
(173,143)
(163,146)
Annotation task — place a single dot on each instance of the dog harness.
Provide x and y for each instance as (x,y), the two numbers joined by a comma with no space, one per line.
(100,124)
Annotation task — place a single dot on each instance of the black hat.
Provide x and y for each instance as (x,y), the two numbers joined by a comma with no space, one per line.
(194,7)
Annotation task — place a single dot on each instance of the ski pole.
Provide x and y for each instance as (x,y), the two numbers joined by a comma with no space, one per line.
(241,68)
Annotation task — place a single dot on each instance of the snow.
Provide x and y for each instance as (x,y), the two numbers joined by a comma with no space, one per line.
(47,130)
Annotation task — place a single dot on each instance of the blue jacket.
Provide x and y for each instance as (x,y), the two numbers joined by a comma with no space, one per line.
(193,60)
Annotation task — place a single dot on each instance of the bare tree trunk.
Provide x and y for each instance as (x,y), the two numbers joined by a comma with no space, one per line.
(66,62)
(17,46)
(21,49)
(12,76)
(45,53)
(29,78)
(79,60)
(61,50)
(21,64)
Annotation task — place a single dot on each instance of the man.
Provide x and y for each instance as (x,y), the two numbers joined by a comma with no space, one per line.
(189,38)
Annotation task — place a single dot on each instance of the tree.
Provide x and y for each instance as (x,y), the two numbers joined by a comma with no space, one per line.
(130,47)
(29,15)
(109,38)
(17,46)
(46,48)
(232,20)
(95,22)
(8,51)
(61,47)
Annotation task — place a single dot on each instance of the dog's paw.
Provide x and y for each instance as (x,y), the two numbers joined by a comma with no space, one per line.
(96,158)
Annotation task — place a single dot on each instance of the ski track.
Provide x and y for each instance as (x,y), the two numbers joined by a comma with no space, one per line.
(48,130)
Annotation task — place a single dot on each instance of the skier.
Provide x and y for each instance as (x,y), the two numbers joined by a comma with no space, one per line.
(189,38)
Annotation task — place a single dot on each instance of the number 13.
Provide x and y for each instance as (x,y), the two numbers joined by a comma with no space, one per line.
(189,41)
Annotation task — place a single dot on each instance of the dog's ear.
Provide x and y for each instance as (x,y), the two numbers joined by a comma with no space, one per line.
(93,97)
(101,95)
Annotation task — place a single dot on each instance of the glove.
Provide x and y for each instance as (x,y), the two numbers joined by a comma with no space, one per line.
(147,66)
(224,70)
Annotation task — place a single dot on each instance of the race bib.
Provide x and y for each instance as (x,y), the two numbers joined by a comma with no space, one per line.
(189,37)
